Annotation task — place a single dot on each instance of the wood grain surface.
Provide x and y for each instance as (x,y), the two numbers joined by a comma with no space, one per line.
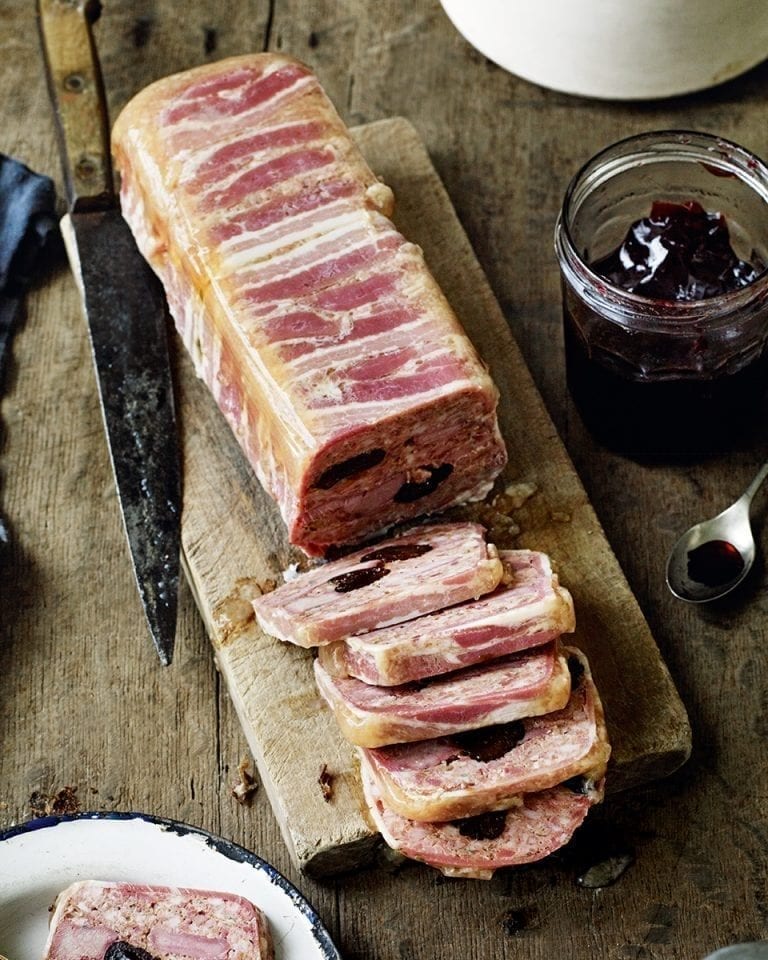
(290,731)
(84,703)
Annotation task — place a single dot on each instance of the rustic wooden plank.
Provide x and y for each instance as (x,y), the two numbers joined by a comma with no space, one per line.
(234,542)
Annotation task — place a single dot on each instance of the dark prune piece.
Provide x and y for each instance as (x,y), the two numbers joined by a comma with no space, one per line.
(348,468)
(122,950)
(354,579)
(490,743)
(409,492)
(398,551)
(485,826)
(580,785)
(576,670)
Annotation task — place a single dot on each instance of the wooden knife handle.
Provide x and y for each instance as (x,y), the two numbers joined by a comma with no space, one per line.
(77,94)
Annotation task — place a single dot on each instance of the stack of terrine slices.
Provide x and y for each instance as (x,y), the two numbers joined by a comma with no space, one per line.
(481,735)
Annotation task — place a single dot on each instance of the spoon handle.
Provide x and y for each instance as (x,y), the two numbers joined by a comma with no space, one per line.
(756,483)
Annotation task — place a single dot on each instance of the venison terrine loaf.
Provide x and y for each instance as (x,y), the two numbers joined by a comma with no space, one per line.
(346,377)
(92,916)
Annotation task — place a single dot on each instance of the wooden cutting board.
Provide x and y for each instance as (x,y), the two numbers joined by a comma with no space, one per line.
(234,542)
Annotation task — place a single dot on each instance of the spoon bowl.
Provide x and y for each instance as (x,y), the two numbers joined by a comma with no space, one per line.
(713,557)
(741,951)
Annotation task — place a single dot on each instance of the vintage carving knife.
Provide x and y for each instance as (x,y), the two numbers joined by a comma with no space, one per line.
(126,312)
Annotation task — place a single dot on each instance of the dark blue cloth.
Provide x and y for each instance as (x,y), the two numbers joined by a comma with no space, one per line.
(27,219)
(28,225)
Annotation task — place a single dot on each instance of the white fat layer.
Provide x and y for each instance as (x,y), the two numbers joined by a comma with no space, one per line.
(310,237)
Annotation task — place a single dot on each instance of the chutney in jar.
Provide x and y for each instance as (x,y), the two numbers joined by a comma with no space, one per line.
(665,295)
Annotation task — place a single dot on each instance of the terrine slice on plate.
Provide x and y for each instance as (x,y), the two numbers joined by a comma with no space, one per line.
(487,769)
(170,923)
(475,847)
(341,368)
(395,580)
(521,685)
(527,609)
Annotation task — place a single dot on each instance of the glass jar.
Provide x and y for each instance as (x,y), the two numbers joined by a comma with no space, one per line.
(651,375)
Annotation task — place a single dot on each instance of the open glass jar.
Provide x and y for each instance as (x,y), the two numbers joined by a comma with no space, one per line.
(658,375)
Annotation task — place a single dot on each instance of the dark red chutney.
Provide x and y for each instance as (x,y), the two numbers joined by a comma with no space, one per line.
(680,252)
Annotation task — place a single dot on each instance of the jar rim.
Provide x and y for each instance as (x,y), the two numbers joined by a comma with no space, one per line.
(725,154)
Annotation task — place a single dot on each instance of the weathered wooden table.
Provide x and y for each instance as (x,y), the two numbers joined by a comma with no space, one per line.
(87,716)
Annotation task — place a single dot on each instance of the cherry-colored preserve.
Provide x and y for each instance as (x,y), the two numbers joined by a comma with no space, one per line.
(678,252)
(640,396)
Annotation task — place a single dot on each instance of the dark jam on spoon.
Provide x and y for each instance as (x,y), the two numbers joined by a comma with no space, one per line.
(714,563)
(652,393)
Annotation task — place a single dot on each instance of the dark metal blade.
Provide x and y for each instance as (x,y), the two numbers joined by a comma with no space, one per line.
(126,311)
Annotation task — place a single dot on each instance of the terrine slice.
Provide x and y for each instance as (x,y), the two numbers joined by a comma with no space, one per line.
(527,609)
(426,568)
(475,847)
(521,685)
(487,769)
(170,923)
(336,359)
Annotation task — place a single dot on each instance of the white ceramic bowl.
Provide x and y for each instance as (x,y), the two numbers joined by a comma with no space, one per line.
(617,49)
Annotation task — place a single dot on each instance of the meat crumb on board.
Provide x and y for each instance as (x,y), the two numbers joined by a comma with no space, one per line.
(325,779)
(63,802)
(246,786)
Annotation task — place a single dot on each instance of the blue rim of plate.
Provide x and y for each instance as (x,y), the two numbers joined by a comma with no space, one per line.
(228,848)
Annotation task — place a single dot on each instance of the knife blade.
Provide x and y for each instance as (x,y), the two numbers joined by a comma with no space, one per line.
(126,311)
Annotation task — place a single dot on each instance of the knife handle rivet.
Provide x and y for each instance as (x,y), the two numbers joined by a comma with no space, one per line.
(74,83)
(87,168)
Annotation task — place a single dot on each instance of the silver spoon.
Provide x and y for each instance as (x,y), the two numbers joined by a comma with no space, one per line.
(741,951)
(714,556)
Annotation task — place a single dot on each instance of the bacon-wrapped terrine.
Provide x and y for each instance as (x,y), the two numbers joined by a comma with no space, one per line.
(348,380)
(483,770)
(168,922)
(395,580)
(521,685)
(527,609)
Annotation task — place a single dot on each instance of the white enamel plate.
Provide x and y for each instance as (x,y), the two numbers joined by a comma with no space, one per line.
(40,858)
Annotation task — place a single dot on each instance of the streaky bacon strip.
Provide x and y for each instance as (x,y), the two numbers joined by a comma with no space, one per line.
(226,158)
(265,176)
(282,209)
